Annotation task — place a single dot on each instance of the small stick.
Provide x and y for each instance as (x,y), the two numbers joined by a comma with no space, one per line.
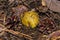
(19,34)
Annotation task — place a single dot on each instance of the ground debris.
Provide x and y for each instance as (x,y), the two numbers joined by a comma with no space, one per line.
(10,12)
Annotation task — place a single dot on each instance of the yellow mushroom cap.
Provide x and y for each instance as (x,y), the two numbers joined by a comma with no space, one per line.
(30,19)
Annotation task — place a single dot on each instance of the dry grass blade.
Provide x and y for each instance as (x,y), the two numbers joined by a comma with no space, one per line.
(3,29)
(19,34)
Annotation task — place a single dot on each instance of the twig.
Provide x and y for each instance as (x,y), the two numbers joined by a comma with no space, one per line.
(19,34)
(4,29)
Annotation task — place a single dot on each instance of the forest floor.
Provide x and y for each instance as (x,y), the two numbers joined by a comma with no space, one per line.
(15,30)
